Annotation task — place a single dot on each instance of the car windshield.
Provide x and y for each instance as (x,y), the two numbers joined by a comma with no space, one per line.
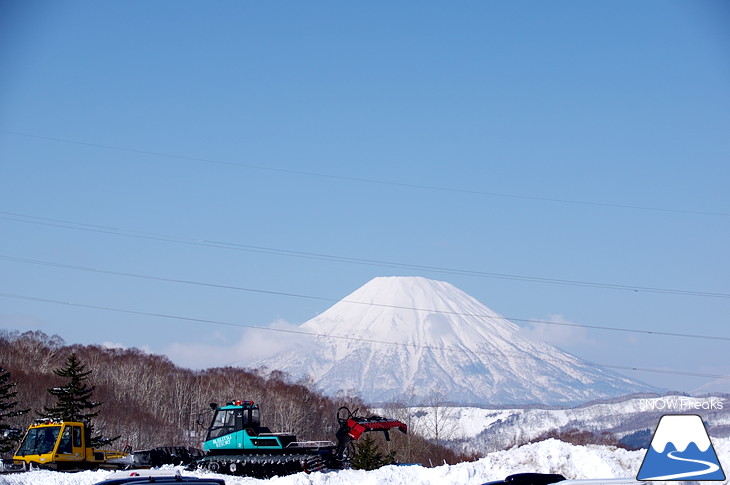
(39,441)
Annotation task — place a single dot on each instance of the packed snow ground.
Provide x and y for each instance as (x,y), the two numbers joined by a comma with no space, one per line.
(549,456)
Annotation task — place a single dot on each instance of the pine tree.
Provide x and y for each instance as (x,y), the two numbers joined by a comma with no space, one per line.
(367,456)
(8,434)
(74,399)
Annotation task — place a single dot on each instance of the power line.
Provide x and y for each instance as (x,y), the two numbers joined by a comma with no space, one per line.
(367,180)
(664,371)
(383,305)
(312,334)
(28,219)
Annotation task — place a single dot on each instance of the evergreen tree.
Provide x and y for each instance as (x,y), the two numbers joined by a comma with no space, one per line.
(8,434)
(367,456)
(74,399)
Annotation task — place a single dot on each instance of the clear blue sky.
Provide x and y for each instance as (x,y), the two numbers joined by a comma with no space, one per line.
(573,141)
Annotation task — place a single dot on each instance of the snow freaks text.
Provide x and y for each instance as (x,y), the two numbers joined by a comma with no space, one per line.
(680,404)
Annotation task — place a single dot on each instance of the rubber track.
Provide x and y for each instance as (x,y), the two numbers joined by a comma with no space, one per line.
(262,466)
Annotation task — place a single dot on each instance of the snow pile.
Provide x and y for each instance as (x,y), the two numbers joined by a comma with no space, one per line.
(549,456)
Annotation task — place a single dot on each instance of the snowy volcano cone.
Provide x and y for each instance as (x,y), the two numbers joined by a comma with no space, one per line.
(410,338)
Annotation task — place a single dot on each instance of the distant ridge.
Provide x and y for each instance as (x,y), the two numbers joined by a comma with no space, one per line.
(451,345)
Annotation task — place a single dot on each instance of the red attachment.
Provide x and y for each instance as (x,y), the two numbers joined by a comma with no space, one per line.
(359,426)
(353,426)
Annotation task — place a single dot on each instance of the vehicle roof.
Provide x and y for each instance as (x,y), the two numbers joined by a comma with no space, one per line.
(39,423)
(138,480)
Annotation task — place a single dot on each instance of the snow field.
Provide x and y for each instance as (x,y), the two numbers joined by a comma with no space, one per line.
(549,456)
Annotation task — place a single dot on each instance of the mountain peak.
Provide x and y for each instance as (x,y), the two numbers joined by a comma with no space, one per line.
(412,337)
(408,309)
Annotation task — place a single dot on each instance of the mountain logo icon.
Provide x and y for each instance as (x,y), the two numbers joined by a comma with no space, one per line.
(681,450)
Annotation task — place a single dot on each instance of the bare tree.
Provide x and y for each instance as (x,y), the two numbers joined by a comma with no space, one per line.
(440,418)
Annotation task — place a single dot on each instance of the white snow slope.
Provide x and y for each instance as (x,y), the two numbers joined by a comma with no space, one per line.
(551,456)
(440,341)
(480,430)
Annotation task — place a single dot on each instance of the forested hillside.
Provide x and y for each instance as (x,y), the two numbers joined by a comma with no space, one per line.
(148,401)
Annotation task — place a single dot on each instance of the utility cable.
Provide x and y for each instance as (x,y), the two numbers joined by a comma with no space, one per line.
(15,217)
(664,371)
(311,334)
(365,179)
(382,305)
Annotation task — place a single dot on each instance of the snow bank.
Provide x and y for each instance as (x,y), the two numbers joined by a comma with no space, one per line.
(549,456)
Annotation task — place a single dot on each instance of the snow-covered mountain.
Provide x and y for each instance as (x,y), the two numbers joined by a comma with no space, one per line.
(411,338)
(630,420)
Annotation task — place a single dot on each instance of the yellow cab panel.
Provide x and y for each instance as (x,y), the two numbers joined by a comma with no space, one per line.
(39,443)
(56,444)
(70,444)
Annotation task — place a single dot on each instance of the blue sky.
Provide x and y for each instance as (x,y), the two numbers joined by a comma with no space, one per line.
(572,141)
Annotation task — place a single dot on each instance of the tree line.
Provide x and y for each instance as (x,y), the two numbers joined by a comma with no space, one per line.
(147,401)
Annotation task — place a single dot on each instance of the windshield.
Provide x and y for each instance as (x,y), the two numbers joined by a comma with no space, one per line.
(223,423)
(39,441)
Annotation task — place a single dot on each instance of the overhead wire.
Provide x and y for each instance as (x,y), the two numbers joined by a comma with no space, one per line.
(29,219)
(665,371)
(310,334)
(309,255)
(111,230)
(368,303)
(365,179)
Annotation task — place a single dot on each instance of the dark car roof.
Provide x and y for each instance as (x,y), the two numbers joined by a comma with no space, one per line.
(170,479)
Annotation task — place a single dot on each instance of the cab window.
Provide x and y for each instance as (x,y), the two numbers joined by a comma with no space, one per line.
(223,423)
(64,447)
(39,441)
(77,436)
